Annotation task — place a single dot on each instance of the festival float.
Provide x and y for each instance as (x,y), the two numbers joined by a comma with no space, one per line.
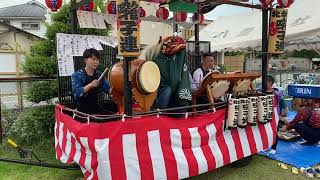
(134,140)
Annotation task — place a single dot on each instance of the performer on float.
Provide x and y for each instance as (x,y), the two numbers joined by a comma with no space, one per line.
(208,65)
(86,84)
(170,56)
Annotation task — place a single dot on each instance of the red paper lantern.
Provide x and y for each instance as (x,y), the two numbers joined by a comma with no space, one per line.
(285,3)
(266,3)
(162,13)
(142,12)
(53,5)
(180,16)
(87,7)
(112,7)
(201,18)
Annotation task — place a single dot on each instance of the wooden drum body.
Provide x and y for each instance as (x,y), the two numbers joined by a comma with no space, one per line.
(145,80)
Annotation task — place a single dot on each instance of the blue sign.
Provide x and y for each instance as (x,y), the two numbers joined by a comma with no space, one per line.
(304,91)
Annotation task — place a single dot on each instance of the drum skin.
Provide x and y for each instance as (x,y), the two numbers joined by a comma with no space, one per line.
(116,76)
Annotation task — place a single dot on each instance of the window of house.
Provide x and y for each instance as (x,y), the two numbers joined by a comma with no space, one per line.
(5,21)
(30,26)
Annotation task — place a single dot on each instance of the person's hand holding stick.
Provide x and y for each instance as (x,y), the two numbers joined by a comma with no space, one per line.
(103,74)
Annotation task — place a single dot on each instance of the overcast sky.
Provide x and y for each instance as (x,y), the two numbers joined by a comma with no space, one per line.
(224,10)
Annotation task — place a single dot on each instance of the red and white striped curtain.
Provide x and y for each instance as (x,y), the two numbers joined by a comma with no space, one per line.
(156,147)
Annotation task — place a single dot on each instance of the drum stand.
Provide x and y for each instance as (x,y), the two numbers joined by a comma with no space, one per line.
(210,78)
(145,101)
(210,98)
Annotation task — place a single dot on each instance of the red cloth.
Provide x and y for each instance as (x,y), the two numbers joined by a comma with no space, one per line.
(156,147)
(172,45)
(302,115)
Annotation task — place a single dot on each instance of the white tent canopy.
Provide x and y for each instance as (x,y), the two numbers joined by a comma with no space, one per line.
(244,31)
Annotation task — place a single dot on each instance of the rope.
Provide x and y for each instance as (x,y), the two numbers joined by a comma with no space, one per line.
(91,118)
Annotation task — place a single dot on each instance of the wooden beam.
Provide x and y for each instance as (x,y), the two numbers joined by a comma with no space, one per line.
(25,79)
(8,73)
(7,51)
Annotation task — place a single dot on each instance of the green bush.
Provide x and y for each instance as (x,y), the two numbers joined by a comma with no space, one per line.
(305,53)
(33,125)
(40,65)
(7,117)
(44,48)
(42,91)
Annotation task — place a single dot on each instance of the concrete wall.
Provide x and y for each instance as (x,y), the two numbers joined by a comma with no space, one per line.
(41,32)
(302,64)
(10,59)
(8,64)
(24,40)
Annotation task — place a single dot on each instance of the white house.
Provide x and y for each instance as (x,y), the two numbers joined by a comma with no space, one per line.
(29,17)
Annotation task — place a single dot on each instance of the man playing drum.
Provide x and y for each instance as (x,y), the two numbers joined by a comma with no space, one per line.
(86,85)
(208,65)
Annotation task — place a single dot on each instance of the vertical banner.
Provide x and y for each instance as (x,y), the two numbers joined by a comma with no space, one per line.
(277,30)
(128,21)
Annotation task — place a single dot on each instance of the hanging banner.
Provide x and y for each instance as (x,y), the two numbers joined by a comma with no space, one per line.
(182,6)
(277,30)
(128,21)
(87,19)
(69,45)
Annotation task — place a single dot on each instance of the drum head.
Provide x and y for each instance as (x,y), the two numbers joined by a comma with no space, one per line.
(207,78)
(219,88)
(148,76)
(242,85)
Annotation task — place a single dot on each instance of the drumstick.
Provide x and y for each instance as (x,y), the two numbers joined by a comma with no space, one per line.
(102,75)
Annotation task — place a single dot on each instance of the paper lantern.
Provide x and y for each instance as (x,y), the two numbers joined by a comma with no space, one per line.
(162,13)
(112,7)
(201,18)
(180,16)
(142,12)
(87,7)
(285,3)
(53,5)
(266,3)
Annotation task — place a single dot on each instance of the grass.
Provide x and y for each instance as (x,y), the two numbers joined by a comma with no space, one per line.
(259,168)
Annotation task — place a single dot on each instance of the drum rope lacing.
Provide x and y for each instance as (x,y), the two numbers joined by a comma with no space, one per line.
(158,112)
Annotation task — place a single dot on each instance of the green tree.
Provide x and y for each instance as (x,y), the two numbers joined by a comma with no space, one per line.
(100,6)
(42,59)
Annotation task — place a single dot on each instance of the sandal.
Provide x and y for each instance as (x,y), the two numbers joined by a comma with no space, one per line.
(308,172)
(283,166)
(295,170)
(317,170)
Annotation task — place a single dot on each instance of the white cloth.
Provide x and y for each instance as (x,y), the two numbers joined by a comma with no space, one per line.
(197,78)
(193,84)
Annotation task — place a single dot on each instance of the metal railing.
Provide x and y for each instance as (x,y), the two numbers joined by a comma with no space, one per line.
(13,91)
(13,94)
